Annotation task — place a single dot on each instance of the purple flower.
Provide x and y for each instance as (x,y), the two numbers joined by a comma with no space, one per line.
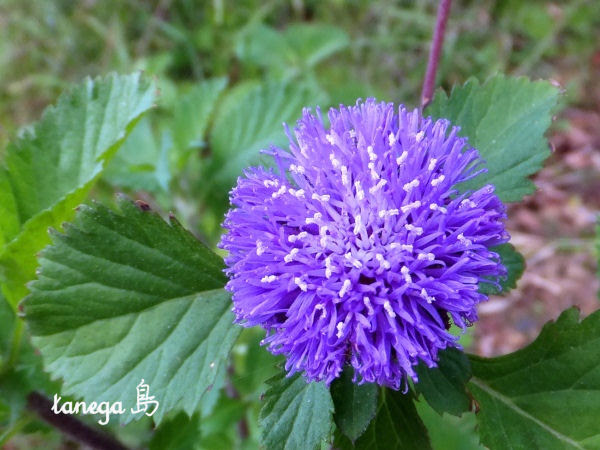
(360,249)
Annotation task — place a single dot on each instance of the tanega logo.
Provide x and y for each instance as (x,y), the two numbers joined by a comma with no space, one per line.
(145,403)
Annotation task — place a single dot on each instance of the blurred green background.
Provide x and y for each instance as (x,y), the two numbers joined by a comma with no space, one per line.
(230,72)
(282,54)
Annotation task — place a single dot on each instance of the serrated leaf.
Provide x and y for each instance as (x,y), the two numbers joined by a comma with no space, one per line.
(296,414)
(505,119)
(444,386)
(546,395)
(51,168)
(396,425)
(355,405)
(125,296)
(250,119)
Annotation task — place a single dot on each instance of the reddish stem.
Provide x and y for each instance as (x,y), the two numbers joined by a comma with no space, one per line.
(435,51)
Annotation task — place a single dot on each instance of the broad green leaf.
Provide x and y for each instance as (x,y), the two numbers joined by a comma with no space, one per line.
(396,425)
(296,414)
(448,432)
(515,265)
(52,166)
(355,405)
(296,49)
(315,42)
(249,120)
(192,114)
(142,163)
(126,296)
(505,119)
(546,395)
(444,386)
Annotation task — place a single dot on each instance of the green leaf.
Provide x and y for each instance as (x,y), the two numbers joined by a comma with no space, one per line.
(296,414)
(177,433)
(293,51)
(355,405)
(192,113)
(126,296)
(249,120)
(51,168)
(396,425)
(450,432)
(546,395)
(515,265)
(444,386)
(315,42)
(505,119)
(141,164)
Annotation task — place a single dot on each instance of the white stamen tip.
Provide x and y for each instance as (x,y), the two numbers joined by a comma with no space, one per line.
(467,202)
(329,138)
(340,328)
(314,219)
(334,161)
(367,303)
(260,248)
(409,186)
(426,296)
(290,256)
(297,169)
(271,183)
(400,159)
(378,186)
(432,164)
(371,153)
(417,230)
(436,207)
(463,240)
(358,225)
(321,198)
(345,288)
(268,279)
(345,177)
(419,136)
(328,267)
(280,192)
(374,174)
(382,261)
(391,139)
(301,284)
(360,194)
(437,180)
(388,308)
(411,206)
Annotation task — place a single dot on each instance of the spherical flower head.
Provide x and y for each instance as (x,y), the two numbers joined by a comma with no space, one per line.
(359,248)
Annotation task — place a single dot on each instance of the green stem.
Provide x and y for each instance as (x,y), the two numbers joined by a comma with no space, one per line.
(15,346)
(14,429)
